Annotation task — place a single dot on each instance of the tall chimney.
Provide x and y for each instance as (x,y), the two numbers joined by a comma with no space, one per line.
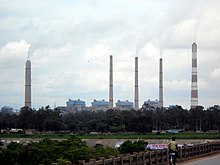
(194,85)
(111,84)
(28,84)
(161,83)
(136,99)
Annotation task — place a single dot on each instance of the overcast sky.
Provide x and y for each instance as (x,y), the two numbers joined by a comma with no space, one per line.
(71,41)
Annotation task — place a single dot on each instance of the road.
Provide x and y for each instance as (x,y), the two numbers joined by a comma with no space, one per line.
(213,160)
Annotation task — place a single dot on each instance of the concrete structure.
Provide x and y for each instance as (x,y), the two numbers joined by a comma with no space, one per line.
(111,83)
(194,84)
(99,105)
(124,105)
(7,110)
(151,105)
(61,108)
(27,102)
(75,105)
(136,95)
(170,107)
(161,83)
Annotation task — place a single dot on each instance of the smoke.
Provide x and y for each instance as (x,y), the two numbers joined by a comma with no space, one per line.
(196,28)
(30,52)
(33,47)
(142,41)
(161,52)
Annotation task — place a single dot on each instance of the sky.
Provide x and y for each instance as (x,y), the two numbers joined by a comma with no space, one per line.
(70,42)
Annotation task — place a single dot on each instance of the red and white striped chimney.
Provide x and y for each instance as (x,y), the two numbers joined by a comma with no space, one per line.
(194,82)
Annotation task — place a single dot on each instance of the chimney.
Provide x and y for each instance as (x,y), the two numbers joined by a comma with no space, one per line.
(28,84)
(136,99)
(111,84)
(194,85)
(161,83)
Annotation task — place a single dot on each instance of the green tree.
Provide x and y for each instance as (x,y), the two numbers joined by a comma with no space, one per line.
(131,147)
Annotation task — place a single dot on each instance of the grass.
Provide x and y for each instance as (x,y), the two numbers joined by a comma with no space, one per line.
(118,136)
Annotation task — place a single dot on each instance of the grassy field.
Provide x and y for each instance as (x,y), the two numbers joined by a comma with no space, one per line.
(118,136)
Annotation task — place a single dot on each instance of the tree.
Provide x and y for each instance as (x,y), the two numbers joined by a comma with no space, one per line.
(131,147)
(26,118)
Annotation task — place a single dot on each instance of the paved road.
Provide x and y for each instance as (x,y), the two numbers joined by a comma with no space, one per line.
(214,160)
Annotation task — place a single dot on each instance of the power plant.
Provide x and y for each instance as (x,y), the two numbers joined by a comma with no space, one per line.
(27,102)
(136,96)
(194,79)
(160,103)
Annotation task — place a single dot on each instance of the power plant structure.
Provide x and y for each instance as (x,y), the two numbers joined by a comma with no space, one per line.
(136,95)
(161,83)
(111,83)
(194,84)
(27,102)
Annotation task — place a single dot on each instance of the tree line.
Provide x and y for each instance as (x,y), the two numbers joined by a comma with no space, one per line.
(141,121)
(73,150)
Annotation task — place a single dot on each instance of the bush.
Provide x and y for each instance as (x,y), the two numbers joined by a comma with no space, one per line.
(48,151)
(131,147)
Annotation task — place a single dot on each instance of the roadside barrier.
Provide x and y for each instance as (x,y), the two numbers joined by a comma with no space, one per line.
(159,157)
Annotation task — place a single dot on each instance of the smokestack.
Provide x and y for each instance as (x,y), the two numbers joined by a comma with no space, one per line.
(194,85)
(136,99)
(28,84)
(111,84)
(161,83)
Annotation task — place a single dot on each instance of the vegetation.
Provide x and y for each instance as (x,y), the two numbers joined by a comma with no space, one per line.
(131,147)
(52,124)
(48,151)
(142,121)
(190,135)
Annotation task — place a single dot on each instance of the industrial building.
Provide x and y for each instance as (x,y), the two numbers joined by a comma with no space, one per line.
(124,105)
(7,110)
(151,105)
(75,105)
(99,105)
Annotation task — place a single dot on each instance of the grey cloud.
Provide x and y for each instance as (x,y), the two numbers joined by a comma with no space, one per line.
(64,33)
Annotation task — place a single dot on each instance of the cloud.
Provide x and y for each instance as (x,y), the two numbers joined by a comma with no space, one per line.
(215,74)
(13,53)
(12,57)
(72,41)
(95,54)
(182,85)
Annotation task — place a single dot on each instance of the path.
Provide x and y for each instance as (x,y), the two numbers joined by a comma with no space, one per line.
(213,160)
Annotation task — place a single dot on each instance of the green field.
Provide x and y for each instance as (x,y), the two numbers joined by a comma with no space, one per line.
(118,136)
